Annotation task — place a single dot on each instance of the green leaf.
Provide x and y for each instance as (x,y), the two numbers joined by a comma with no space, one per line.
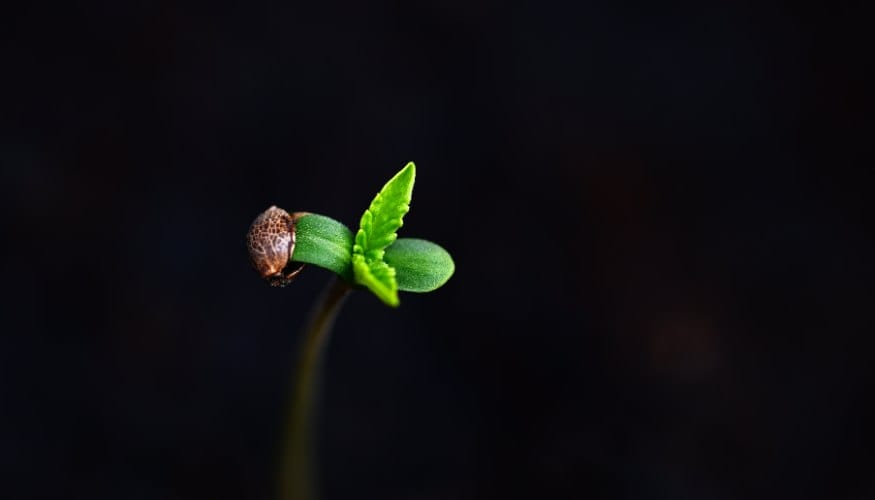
(324,242)
(378,277)
(378,229)
(420,265)
(381,221)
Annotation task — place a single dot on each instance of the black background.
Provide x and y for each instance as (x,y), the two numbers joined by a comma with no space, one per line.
(659,213)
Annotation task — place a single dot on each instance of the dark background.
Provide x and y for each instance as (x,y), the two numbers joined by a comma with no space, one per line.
(660,216)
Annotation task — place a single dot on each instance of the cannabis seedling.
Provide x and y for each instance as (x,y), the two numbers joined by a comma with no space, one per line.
(280,244)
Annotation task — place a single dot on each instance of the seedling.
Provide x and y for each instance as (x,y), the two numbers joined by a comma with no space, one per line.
(281,244)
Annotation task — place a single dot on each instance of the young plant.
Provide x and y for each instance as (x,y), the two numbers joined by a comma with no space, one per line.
(280,244)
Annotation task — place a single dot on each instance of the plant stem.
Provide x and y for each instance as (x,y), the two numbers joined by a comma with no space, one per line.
(297,469)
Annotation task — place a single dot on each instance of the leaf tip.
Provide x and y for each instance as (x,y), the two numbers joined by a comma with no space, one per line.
(406,174)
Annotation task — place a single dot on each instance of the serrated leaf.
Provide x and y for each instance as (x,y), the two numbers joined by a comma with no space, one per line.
(377,230)
(379,224)
(420,265)
(378,277)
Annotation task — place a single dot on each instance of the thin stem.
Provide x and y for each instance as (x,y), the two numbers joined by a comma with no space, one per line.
(298,472)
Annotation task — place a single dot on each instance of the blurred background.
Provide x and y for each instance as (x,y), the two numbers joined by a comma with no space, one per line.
(660,216)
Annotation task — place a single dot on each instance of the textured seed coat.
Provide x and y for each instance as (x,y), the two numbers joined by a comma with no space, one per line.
(271,243)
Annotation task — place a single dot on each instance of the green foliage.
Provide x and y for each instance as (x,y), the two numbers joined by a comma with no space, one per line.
(324,242)
(378,277)
(375,258)
(377,230)
(420,265)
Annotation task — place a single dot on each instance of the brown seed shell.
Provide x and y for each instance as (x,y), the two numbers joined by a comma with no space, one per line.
(271,243)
